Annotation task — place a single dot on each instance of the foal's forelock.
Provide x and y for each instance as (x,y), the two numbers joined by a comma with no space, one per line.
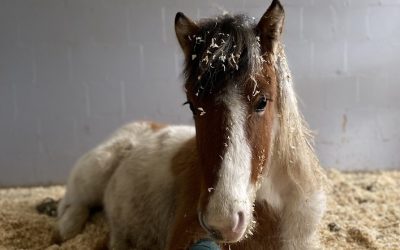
(224,59)
(224,51)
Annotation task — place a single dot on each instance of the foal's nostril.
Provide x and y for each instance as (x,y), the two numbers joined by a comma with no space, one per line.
(213,232)
(238,226)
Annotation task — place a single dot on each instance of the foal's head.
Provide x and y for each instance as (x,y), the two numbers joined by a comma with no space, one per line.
(231,88)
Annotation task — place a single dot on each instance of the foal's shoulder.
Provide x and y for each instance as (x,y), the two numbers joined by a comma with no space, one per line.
(149,131)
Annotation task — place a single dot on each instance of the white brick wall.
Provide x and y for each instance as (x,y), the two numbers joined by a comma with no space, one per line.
(73,71)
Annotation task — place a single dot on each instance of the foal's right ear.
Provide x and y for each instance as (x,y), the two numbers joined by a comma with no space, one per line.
(270,26)
(185,29)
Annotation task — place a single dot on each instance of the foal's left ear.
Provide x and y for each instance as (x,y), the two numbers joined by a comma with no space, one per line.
(185,29)
(270,27)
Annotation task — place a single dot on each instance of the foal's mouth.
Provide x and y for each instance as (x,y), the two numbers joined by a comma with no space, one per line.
(232,235)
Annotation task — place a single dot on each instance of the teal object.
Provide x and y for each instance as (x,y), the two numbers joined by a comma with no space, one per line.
(205,245)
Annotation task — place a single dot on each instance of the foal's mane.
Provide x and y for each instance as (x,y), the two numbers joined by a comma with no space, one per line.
(226,50)
(293,147)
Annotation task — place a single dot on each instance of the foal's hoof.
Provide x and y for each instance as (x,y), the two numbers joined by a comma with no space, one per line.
(48,206)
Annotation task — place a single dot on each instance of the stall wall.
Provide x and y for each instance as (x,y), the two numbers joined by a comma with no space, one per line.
(72,71)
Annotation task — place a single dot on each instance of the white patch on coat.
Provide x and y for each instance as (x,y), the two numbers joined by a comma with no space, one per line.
(299,221)
(139,198)
(130,173)
(233,192)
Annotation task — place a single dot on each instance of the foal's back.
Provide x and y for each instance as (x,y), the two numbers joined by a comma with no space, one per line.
(139,156)
(140,194)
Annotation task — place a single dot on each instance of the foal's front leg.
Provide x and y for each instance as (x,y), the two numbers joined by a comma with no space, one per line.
(184,232)
(300,220)
(185,229)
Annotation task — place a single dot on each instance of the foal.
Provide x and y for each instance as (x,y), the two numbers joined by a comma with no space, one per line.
(245,176)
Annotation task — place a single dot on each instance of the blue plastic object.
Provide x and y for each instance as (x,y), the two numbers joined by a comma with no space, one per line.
(205,244)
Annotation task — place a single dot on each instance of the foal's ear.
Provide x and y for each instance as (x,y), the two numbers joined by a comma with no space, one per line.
(270,26)
(185,29)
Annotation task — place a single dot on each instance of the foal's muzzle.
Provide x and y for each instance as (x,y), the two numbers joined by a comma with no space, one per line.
(231,231)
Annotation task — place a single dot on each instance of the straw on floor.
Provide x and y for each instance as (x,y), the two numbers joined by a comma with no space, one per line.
(363,212)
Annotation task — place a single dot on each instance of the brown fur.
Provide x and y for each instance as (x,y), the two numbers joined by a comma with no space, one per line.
(261,124)
(156,126)
(266,234)
(211,135)
(186,229)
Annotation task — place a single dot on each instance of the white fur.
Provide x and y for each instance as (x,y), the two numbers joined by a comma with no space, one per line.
(293,184)
(300,219)
(300,213)
(131,167)
(139,197)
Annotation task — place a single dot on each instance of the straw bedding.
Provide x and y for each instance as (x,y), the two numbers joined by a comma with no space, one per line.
(363,212)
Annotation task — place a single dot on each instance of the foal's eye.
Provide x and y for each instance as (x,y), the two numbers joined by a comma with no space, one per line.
(190,106)
(261,104)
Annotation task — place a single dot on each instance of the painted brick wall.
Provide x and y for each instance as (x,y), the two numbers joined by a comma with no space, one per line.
(73,71)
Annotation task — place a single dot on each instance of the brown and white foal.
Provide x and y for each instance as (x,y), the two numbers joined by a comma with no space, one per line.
(245,175)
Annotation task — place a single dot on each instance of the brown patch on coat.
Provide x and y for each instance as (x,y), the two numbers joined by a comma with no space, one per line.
(212,138)
(185,229)
(196,167)
(185,159)
(266,234)
(156,126)
(259,126)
